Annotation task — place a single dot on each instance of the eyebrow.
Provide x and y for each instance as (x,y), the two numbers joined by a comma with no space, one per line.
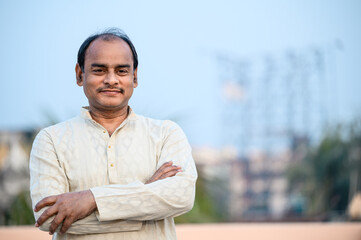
(104,65)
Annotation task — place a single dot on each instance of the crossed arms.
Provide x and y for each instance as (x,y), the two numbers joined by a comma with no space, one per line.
(168,193)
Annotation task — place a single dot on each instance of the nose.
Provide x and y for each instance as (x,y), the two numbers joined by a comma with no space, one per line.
(111,78)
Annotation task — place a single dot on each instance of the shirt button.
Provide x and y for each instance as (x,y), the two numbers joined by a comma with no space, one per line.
(112,165)
(109,146)
(104,131)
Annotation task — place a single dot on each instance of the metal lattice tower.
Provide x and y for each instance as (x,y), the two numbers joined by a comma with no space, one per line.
(270,99)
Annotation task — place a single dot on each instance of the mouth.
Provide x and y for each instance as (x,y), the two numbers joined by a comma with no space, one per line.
(112,91)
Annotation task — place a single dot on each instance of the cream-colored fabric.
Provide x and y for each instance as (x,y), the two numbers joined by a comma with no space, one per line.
(79,154)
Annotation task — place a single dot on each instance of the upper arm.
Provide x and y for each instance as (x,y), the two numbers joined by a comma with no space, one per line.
(177,149)
(181,187)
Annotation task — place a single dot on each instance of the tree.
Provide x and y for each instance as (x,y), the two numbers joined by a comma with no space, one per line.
(204,209)
(323,176)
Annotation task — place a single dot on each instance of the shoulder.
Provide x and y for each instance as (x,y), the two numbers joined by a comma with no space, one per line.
(59,128)
(164,126)
(163,130)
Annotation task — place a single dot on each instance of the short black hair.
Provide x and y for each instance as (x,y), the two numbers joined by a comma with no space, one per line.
(107,35)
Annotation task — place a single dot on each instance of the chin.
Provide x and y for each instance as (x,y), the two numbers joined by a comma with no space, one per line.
(110,105)
(113,105)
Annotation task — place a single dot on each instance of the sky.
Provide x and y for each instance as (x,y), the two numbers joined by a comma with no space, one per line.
(177,45)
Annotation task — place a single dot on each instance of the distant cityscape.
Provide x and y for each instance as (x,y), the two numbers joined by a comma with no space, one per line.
(254,187)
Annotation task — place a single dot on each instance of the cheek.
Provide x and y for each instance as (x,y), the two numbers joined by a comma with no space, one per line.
(90,87)
(130,88)
(86,89)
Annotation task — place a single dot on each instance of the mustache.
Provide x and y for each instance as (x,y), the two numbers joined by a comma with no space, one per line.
(121,90)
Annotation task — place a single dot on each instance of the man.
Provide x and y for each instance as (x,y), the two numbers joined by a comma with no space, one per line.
(109,173)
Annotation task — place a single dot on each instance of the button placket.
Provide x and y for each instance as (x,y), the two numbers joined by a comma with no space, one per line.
(111,159)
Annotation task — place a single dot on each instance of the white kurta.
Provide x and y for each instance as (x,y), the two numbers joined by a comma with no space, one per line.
(79,154)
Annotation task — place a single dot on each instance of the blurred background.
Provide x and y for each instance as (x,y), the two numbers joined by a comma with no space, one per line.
(268,93)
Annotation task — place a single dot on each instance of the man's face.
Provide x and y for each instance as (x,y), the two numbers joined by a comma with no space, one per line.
(108,78)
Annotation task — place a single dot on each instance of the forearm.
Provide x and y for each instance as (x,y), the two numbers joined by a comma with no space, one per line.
(80,208)
(91,225)
(161,199)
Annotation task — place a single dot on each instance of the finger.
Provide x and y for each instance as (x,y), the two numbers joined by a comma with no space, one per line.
(163,171)
(166,167)
(170,174)
(48,201)
(56,222)
(166,164)
(171,168)
(67,223)
(46,215)
(167,172)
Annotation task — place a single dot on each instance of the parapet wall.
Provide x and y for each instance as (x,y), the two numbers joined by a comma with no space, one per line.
(232,231)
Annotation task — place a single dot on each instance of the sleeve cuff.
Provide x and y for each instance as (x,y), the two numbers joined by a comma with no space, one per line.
(108,199)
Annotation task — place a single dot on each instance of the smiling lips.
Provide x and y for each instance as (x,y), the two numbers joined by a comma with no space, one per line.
(112,91)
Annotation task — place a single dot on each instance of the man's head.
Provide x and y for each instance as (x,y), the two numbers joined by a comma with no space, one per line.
(107,70)
(106,35)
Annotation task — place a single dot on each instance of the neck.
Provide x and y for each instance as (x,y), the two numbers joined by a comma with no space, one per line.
(109,119)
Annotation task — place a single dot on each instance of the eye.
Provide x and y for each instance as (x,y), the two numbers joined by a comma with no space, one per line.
(97,70)
(122,71)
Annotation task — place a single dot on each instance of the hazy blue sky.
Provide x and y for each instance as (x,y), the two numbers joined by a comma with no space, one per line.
(176,43)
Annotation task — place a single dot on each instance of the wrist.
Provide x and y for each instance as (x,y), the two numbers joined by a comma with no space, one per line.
(91,200)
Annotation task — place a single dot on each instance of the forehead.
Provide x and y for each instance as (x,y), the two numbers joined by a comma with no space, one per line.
(110,51)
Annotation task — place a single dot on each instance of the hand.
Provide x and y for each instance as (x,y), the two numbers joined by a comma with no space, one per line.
(166,170)
(67,208)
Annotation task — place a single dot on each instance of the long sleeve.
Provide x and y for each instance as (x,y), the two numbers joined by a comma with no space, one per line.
(47,177)
(164,198)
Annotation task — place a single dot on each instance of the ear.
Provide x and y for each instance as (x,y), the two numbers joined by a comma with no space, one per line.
(79,75)
(135,79)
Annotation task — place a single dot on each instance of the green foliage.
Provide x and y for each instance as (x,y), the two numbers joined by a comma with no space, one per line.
(20,211)
(204,209)
(323,176)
